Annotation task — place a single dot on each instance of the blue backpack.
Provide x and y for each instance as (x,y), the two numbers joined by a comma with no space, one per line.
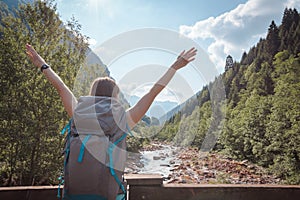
(95,150)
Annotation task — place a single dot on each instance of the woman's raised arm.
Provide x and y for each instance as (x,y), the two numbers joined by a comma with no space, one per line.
(67,97)
(135,113)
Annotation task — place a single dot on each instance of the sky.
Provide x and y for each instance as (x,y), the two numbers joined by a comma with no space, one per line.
(219,27)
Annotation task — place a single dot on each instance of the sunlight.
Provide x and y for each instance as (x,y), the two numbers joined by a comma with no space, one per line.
(93,5)
(100,7)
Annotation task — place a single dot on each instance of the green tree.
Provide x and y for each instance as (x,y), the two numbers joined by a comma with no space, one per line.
(284,126)
(31,111)
(273,40)
(243,59)
(289,31)
(245,129)
(204,118)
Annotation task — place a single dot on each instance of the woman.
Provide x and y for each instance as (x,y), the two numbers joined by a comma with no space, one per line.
(100,119)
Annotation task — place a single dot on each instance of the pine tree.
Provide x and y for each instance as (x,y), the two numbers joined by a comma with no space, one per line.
(273,40)
(288,31)
(243,59)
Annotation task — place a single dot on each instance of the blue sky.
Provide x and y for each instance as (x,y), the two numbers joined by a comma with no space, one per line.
(220,27)
(102,19)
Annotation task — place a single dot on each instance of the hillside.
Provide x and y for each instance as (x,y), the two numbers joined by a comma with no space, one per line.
(261,109)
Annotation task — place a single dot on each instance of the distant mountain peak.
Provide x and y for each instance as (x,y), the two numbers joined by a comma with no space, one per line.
(158,108)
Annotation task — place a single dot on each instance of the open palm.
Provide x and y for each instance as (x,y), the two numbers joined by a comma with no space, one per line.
(184,58)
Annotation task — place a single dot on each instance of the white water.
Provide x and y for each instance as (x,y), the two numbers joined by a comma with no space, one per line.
(158,162)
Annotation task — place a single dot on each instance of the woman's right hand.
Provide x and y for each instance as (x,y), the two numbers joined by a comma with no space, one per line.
(185,58)
(35,58)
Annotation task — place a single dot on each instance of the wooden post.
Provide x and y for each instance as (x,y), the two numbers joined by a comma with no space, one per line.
(135,181)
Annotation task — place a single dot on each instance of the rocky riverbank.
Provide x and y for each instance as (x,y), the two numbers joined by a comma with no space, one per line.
(188,165)
(216,168)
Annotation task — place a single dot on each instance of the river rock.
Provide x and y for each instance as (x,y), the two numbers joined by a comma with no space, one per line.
(215,168)
(172,162)
(173,169)
(156,157)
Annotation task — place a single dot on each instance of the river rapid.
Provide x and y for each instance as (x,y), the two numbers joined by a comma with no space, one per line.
(159,159)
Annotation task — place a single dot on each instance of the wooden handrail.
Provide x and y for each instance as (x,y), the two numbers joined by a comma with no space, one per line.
(150,186)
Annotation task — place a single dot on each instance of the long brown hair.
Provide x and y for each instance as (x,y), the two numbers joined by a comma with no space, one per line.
(104,86)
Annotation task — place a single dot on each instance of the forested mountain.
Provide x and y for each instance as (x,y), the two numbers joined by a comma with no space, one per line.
(262,122)
(261,109)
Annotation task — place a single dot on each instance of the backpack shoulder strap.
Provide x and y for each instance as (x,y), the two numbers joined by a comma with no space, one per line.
(67,151)
(111,164)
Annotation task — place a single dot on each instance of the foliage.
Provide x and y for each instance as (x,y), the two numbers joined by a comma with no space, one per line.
(31,112)
(262,121)
(284,126)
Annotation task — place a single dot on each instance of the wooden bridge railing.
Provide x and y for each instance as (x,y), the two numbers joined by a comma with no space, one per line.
(146,187)
(151,187)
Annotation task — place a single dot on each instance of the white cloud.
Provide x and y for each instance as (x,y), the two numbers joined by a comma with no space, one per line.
(293,4)
(237,30)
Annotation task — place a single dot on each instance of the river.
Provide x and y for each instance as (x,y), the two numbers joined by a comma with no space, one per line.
(158,161)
